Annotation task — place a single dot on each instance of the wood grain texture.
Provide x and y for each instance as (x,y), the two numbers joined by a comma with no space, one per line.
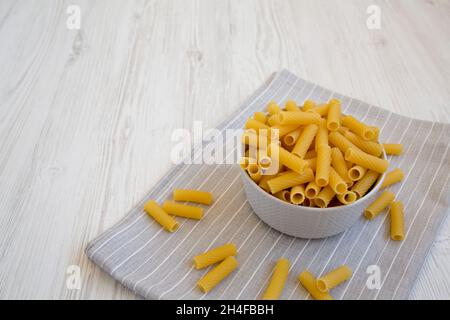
(86,115)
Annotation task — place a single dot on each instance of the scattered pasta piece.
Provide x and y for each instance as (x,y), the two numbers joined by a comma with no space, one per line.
(308,281)
(157,213)
(215,255)
(217,274)
(381,203)
(395,149)
(397,224)
(182,210)
(278,280)
(392,177)
(189,195)
(334,278)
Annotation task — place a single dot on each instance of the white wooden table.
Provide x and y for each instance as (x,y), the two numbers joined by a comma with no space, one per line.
(86,114)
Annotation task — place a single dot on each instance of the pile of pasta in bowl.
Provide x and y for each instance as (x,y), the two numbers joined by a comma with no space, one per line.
(313,155)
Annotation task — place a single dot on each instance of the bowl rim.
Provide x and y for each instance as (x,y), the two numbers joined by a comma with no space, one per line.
(375,189)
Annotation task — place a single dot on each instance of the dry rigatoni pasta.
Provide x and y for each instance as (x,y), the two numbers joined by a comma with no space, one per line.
(365,183)
(366,160)
(278,280)
(304,140)
(215,255)
(334,115)
(397,224)
(381,203)
(182,210)
(217,274)
(393,148)
(323,165)
(290,180)
(362,130)
(308,281)
(392,177)
(190,195)
(333,278)
(297,194)
(157,213)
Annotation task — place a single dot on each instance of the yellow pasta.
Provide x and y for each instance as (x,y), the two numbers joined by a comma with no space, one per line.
(312,163)
(366,160)
(283,195)
(304,141)
(289,180)
(182,210)
(190,195)
(260,116)
(310,154)
(392,177)
(291,106)
(245,161)
(281,130)
(273,108)
(298,118)
(273,119)
(312,190)
(323,165)
(322,135)
(324,197)
(291,138)
(278,280)
(376,130)
(321,109)
(263,182)
(381,203)
(397,224)
(356,173)
(334,278)
(250,138)
(334,115)
(336,183)
(308,281)
(338,163)
(358,127)
(370,147)
(347,197)
(217,274)
(157,213)
(287,159)
(308,105)
(297,194)
(340,142)
(215,255)
(255,172)
(362,186)
(256,125)
(395,149)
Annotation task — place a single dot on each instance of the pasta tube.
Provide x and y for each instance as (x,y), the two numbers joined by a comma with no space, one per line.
(397,224)
(312,163)
(273,119)
(341,142)
(334,278)
(323,165)
(324,197)
(347,197)
(366,160)
(254,171)
(298,118)
(395,149)
(244,162)
(370,147)
(338,163)
(255,125)
(336,183)
(297,195)
(334,115)
(282,130)
(157,213)
(288,159)
(308,281)
(358,127)
(182,210)
(356,173)
(291,138)
(260,116)
(278,280)
(304,141)
(312,190)
(283,195)
(273,108)
(376,130)
(291,106)
(362,186)
(289,180)
(217,274)
(392,177)
(322,135)
(190,195)
(381,203)
(321,109)
(310,154)
(215,255)
(308,105)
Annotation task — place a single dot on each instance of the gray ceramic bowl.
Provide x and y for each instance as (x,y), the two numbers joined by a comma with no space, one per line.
(305,222)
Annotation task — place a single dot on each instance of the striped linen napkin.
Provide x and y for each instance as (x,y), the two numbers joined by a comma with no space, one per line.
(157,264)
